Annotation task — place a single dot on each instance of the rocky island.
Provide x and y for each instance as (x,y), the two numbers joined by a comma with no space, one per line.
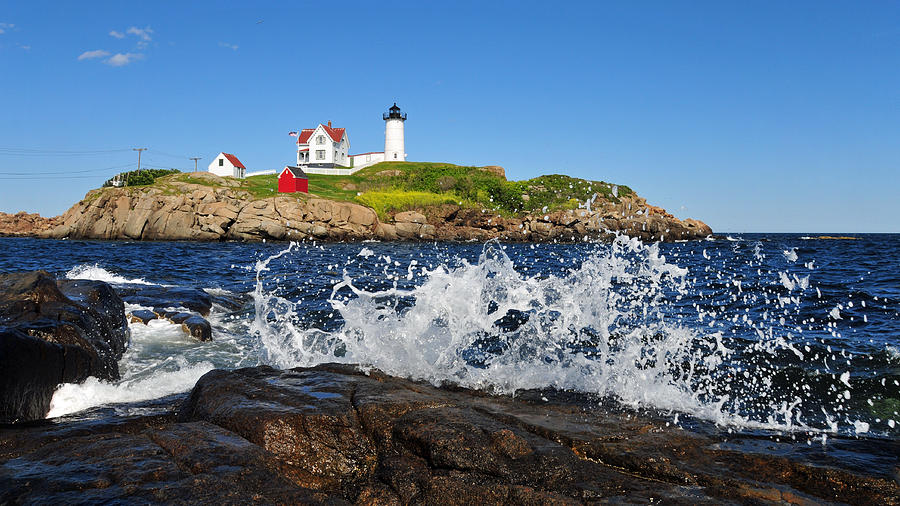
(387,201)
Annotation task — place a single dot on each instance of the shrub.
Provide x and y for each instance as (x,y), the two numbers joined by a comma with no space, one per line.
(384,202)
(141,177)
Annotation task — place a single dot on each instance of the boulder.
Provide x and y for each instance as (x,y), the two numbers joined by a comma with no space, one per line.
(142,316)
(368,437)
(167,297)
(198,328)
(494,169)
(25,224)
(53,333)
(310,423)
(410,217)
(334,434)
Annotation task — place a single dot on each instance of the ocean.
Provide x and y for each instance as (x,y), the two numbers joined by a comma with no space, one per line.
(788,337)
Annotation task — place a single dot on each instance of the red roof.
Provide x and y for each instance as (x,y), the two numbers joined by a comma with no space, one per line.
(336,134)
(304,136)
(297,172)
(303,149)
(234,161)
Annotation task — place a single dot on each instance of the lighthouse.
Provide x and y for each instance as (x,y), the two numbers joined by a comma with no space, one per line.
(394,149)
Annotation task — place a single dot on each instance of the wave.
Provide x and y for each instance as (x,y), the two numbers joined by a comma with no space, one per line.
(600,328)
(74,397)
(97,273)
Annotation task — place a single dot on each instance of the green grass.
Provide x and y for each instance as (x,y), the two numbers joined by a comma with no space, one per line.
(187,178)
(261,186)
(384,202)
(398,186)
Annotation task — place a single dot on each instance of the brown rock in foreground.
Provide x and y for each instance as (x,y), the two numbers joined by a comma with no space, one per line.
(334,434)
(190,211)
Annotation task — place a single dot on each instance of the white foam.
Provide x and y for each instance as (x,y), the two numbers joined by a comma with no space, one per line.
(453,309)
(893,352)
(72,397)
(97,273)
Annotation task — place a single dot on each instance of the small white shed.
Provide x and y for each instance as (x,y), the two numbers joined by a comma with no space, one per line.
(227,165)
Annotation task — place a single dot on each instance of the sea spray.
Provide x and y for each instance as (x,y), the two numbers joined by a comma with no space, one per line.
(603,327)
(740,335)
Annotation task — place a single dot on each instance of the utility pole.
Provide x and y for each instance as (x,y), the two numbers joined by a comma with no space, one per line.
(195,158)
(139,150)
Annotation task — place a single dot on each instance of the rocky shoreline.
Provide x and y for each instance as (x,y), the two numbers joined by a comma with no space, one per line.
(341,434)
(216,213)
(333,434)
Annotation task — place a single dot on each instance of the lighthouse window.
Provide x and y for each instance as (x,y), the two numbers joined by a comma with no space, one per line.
(395,156)
(320,154)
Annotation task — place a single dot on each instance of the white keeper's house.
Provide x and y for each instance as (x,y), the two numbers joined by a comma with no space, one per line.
(326,150)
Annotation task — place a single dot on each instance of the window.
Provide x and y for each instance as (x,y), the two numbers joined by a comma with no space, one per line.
(320,154)
(221,162)
(320,139)
(395,156)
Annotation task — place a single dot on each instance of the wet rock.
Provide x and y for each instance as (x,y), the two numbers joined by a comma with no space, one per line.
(198,328)
(176,317)
(179,463)
(192,324)
(378,439)
(167,297)
(142,316)
(311,425)
(54,332)
(332,433)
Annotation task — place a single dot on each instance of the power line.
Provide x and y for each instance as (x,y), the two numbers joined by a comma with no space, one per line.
(157,152)
(55,152)
(50,173)
(24,178)
(195,158)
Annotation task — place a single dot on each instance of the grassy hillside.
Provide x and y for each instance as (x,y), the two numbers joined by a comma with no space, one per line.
(397,186)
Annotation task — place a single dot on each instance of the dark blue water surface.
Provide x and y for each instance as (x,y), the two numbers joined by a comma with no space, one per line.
(756,332)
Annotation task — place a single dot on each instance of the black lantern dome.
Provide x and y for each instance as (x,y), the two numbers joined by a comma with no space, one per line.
(394,113)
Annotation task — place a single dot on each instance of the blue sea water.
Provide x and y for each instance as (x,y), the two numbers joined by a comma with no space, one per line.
(756,333)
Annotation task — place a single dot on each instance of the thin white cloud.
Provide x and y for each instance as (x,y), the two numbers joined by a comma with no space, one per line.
(118,35)
(143,33)
(90,55)
(122,59)
(6,26)
(233,47)
(25,47)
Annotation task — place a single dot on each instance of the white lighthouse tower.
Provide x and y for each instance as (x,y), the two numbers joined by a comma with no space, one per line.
(394,149)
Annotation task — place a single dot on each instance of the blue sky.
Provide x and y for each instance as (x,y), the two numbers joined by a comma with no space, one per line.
(751,116)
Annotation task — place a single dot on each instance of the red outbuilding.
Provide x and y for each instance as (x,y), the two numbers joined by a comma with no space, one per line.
(292,180)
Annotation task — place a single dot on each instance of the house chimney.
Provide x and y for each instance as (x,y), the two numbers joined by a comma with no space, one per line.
(329,123)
